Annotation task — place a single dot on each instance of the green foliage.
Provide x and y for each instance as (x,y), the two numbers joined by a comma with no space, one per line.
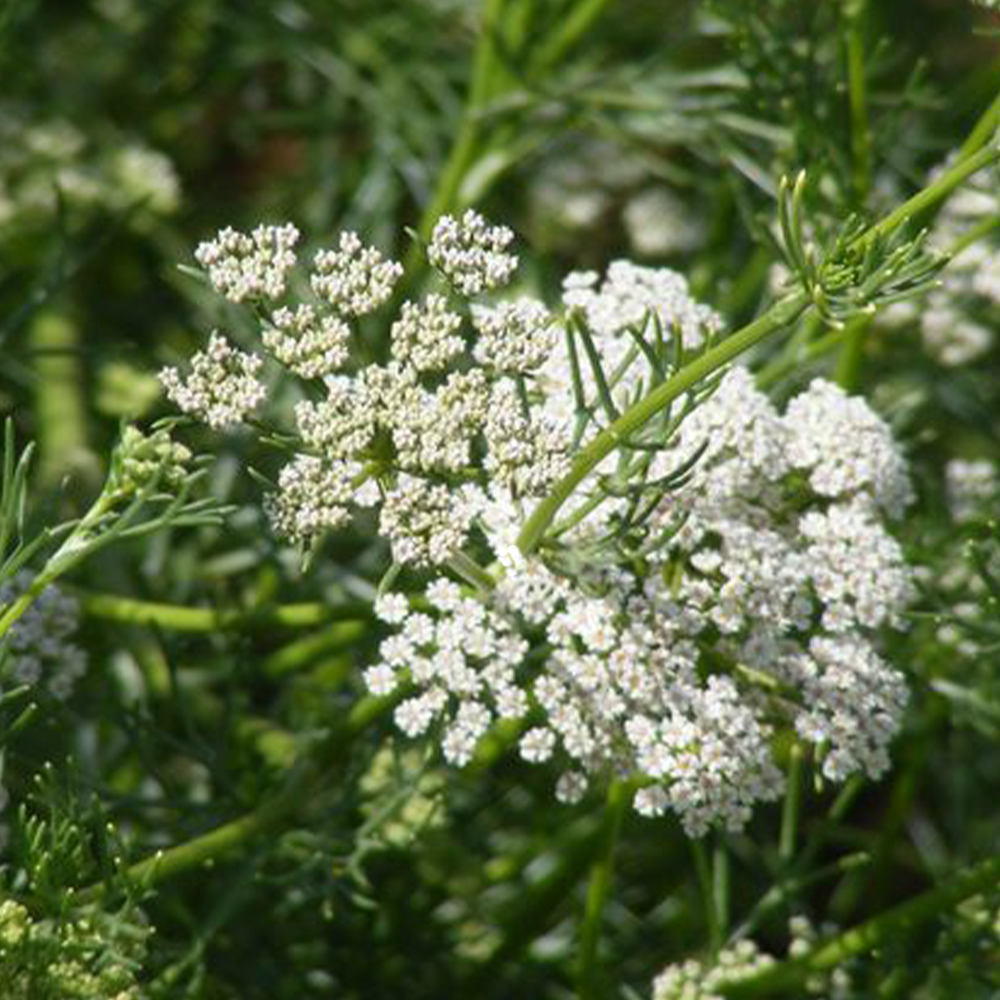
(220,776)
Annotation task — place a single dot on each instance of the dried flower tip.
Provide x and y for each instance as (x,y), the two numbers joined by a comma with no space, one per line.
(514,336)
(222,387)
(354,279)
(425,335)
(306,343)
(254,266)
(470,253)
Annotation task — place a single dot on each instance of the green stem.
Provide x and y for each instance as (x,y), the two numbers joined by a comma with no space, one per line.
(933,194)
(720,885)
(787,976)
(854,15)
(181,619)
(973,235)
(470,571)
(792,806)
(847,373)
(778,316)
(60,405)
(72,550)
(849,362)
(983,131)
(590,986)
(463,151)
(704,872)
(576,24)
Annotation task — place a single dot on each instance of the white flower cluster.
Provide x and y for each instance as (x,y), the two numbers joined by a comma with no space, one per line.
(51,165)
(464,660)
(846,448)
(355,279)
(695,980)
(790,559)
(470,253)
(407,435)
(245,266)
(307,343)
(514,336)
(526,454)
(145,177)
(704,980)
(222,388)
(629,294)
(758,612)
(591,183)
(426,335)
(973,489)
(312,497)
(38,649)
(425,522)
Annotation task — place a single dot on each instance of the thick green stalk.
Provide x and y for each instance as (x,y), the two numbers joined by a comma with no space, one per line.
(792,806)
(847,373)
(777,317)
(782,979)
(983,131)
(573,27)
(590,985)
(182,619)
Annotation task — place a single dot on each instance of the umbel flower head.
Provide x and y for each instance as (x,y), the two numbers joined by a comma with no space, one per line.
(725,576)
(762,610)
(417,430)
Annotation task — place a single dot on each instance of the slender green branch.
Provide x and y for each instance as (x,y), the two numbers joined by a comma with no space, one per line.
(470,571)
(787,976)
(776,318)
(590,986)
(932,195)
(857,97)
(183,619)
(851,355)
(463,151)
(579,21)
(983,131)
(72,550)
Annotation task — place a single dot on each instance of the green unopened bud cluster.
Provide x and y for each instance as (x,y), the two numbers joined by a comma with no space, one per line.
(144,459)
(94,956)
